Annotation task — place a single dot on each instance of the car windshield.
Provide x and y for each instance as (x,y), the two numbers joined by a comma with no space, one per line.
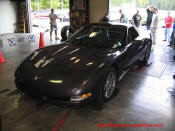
(100,36)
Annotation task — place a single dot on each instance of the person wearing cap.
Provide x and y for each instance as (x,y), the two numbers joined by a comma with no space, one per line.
(53,24)
(168,27)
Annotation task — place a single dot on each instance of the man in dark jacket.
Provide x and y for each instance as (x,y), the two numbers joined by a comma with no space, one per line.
(149,11)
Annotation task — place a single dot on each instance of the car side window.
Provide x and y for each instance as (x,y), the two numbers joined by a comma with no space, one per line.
(132,34)
(117,37)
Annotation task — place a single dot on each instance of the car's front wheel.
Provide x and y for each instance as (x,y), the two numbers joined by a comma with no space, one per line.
(108,87)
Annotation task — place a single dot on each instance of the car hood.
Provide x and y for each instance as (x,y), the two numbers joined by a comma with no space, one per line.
(64,63)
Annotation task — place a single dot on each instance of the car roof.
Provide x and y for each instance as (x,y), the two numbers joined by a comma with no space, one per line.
(113,24)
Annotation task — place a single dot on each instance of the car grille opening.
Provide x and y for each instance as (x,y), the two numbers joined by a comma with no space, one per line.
(36,92)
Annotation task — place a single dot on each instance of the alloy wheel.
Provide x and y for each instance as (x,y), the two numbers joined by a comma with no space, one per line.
(110,85)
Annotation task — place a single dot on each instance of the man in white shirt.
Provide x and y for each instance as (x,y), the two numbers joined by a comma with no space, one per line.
(53,24)
(154,25)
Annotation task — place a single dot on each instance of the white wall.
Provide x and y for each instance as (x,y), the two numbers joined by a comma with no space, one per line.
(8,16)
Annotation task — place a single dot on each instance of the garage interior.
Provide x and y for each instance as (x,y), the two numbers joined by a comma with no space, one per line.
(143,97)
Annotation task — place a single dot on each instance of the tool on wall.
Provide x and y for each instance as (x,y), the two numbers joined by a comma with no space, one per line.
(79,13)
(79,17)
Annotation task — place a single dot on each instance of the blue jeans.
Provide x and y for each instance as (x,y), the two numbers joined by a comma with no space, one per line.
(172,42)
(168,32)
(148,27)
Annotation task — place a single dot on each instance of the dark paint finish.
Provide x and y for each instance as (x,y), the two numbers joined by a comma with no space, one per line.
(55,73)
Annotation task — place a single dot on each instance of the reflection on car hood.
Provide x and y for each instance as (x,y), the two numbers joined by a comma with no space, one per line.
(66,59)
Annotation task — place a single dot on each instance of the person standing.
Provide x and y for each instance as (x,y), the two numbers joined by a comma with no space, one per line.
(53,24)
(136,19)
(172,41)
(149,11)
(174,26)
(122,16)
(168,25)
(154,25)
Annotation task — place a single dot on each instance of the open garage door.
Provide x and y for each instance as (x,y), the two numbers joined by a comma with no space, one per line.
(129,8)
(40,10)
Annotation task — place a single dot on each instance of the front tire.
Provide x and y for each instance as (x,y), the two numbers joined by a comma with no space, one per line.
(108,87)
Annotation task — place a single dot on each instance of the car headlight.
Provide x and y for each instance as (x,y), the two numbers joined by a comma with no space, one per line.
(79,98)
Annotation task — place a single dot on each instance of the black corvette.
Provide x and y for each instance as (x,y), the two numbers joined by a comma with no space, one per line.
(86,67)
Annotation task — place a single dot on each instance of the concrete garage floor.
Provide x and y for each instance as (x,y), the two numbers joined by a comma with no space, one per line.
(143,98)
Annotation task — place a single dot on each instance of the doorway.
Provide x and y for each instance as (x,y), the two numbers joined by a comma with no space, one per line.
(40,10)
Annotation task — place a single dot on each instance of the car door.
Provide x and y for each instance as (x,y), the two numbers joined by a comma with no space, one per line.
(133,46)
(118,36)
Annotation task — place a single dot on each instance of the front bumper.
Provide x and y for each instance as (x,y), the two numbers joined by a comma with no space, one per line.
(62,100)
